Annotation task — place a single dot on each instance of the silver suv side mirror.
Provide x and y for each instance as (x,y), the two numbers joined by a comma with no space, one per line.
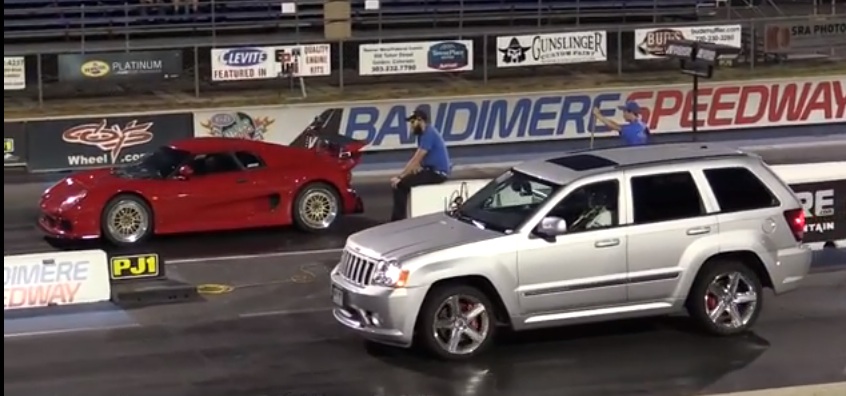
(552,226)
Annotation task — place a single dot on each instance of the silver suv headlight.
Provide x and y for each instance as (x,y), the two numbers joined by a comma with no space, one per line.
(389,273)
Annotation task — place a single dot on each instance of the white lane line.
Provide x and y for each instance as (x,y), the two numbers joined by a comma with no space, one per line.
(830,389)
(283,312)
(240,257)
(68,331)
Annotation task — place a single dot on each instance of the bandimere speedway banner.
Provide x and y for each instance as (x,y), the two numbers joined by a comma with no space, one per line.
(552,49)
(14,144)
(76,143)
(514,118)
(55,278)
(802,37)
(652,43)
(261,63)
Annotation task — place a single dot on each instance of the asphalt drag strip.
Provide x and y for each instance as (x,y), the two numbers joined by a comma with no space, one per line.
(271,333)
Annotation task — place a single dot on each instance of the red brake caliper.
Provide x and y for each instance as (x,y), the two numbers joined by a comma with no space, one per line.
(711,301)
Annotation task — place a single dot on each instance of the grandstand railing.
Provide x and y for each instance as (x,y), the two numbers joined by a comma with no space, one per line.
(195,77)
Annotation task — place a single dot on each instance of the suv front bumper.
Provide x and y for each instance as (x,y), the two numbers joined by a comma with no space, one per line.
(380,314)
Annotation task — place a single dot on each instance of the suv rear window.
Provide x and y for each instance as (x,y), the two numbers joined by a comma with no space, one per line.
(738,189)
(665,197)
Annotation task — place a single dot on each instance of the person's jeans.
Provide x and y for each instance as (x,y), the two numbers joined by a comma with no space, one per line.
(403,188)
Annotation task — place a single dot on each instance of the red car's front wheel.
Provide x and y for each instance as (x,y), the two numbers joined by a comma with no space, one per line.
(126,220)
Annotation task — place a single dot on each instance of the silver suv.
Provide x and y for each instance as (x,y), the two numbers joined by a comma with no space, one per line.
(584,237)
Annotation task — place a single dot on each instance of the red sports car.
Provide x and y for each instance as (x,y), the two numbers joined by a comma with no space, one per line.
(207,184)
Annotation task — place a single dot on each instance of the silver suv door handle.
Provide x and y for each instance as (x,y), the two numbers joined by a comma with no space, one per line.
(698,230)
(607,243)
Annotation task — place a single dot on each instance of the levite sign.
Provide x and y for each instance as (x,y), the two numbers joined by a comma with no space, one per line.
(260,63)
(551,49)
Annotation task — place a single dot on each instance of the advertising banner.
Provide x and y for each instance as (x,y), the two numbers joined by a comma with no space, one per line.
(551,49)
(55,278)
(123,66)
(825,209)
(795,37)
(259,63)
(413,58)
(488,119)
(96,142)
(14,73)
(14,144)
(652,43)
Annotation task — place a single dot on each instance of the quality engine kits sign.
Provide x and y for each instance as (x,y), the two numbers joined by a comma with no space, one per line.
(96,142)
(416,57)
(551,49)
(14,73)
(652,43)
(511,118)
(259,63)
(820,35)
(825,209)
(56,278)
(139,66)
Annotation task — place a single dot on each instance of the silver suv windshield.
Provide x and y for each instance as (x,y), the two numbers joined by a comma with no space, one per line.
(507,201)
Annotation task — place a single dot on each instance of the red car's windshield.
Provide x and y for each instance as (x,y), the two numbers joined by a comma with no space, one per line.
(159,164)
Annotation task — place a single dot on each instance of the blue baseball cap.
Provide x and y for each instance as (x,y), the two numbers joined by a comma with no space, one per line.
(630,107)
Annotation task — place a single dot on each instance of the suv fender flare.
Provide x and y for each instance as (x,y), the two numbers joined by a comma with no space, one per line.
(499,283)
(698,254)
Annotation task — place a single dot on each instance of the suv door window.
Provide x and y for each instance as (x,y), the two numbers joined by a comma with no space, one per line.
(590,207)
(738,189)
(215,163)
(665,197)
(249,160)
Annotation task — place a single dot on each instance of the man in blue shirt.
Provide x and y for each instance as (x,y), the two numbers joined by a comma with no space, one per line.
(634,132)
(429,165)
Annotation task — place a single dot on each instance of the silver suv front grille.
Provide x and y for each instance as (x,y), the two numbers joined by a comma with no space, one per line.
(356,269)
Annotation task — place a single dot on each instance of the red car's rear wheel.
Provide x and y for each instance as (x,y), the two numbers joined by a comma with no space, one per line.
(317,207)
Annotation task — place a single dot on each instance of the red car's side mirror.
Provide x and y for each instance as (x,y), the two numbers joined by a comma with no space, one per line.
(185,172)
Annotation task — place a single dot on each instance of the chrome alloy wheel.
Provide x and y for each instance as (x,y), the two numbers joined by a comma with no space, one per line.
(461,325)
(731,300)
(318,209)
(128,221)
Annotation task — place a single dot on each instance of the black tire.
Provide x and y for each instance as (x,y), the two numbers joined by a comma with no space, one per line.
(427,340)
(696,300)
(136,202)
(315,188)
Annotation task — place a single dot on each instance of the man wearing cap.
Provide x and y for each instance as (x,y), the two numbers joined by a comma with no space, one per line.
(429,165)
(634,132)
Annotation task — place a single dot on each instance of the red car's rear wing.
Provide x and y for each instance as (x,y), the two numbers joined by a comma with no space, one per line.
(322,135)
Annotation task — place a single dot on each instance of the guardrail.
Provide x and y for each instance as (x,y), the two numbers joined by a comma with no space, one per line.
(203,66)
(821,187)
(69,143)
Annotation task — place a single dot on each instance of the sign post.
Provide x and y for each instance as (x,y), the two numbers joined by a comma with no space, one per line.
(698,59)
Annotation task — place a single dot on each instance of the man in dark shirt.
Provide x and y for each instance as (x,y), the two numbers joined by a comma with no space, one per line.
(429,165)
